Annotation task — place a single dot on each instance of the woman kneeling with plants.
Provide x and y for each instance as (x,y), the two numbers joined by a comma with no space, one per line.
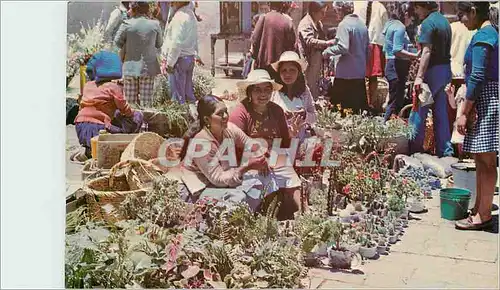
(260,118)
(103,106)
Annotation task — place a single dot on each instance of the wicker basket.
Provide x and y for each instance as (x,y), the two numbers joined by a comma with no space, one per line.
(104,195)
(144,146)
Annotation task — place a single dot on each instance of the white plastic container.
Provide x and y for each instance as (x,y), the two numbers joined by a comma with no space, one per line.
(464,176)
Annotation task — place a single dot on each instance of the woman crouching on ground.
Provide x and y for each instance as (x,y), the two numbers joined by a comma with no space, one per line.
(103,106)
(210,175)
(260,118)
(481,76)
(294,97)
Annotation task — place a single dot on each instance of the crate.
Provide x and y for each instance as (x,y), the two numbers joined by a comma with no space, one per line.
(110,148)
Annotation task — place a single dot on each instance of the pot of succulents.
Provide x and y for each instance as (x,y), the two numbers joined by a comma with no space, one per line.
(339,256)
(381,247)
(393,236)
(368,249)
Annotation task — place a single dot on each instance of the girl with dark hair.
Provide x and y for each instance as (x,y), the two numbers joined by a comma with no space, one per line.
(211,176)
(396,49)
(294,97)
(481,107)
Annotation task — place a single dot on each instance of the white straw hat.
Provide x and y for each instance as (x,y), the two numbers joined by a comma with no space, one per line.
(257,76)
(290,56)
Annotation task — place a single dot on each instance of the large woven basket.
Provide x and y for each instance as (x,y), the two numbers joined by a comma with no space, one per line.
(104,195)
(144,146)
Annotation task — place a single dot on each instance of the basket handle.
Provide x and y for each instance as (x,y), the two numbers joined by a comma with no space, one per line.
(128,163)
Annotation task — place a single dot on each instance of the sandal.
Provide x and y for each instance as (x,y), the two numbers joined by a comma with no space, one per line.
(468,224)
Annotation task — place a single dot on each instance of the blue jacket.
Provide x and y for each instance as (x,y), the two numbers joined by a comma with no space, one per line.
(104,65)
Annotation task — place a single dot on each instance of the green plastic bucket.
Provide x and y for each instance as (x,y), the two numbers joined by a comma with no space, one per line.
(454,203)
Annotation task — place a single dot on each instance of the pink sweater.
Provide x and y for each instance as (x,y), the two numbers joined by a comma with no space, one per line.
(205,171)
(99,103)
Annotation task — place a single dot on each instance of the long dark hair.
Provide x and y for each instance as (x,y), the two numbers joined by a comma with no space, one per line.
(206,107)
(483,11)
(298,87)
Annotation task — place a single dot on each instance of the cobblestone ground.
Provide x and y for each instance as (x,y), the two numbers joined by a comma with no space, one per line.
(431,254)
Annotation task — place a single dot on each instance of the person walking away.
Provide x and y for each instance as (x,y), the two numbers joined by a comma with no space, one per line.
(273,34)
(180,51)
(375,16)
(434,70)
(351,44)
(398,59)
(103,106)
(116,18)
(312,42)
(140,37)
(481,138)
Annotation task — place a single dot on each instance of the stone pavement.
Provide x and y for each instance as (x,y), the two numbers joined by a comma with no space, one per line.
(431,253)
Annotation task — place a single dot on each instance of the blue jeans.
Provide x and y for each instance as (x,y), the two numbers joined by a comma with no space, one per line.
(396,73)
(437,77)
(181,80)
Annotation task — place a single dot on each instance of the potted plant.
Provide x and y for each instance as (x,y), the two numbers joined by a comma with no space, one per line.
(339,257)
(382,247)
(367,249)
(393,236)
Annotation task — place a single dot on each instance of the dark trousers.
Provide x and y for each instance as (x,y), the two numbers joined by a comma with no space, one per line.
(349,93)
(396,72)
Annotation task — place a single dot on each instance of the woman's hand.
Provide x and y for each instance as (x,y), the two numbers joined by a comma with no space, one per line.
(260,164)
(296,124)
(462,124)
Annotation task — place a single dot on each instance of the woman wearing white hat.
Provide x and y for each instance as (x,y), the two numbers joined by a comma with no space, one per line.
(258,117)
(294,97)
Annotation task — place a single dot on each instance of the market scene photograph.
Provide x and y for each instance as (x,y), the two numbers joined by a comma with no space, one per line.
(292,144)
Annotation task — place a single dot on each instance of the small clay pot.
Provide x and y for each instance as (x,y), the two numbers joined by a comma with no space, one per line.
(353,248)
(394,238)
(368,253)
(417,207)
(339,259)
(381,249)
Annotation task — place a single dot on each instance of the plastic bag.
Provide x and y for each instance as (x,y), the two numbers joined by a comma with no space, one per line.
(439,167)
(402,161)
(425,96)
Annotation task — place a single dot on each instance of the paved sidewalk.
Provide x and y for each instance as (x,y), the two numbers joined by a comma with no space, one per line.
(431,254)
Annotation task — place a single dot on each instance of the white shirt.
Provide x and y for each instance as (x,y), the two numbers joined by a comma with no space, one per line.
(181,36)
(115,19)
(460,39)
(378,19)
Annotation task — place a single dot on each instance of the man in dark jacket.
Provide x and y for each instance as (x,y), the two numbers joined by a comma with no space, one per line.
(274,34)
